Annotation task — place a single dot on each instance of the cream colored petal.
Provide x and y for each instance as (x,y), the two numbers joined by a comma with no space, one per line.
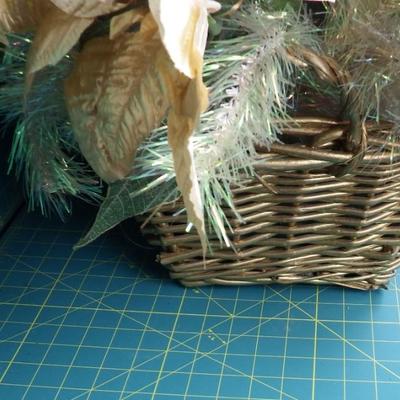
(183,29)
(213,6)
(121,23)
(57,34)
(179,131)
(21,16)
(88,8)
(116,96)
(189,98)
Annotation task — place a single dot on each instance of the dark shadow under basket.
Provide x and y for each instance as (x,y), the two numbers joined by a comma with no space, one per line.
(325,211)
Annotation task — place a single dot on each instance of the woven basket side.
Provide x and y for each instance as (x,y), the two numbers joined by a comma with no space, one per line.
(323,207)
(299,223)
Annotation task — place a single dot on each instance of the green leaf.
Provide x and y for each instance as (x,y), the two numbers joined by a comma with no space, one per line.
(214,26)
(126,199)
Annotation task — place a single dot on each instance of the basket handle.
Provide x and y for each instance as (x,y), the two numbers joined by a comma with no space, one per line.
(329,70)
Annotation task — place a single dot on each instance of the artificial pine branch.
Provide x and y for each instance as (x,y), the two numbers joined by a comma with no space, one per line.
(44,153)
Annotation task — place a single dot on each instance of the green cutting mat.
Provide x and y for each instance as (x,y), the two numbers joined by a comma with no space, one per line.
(105,323)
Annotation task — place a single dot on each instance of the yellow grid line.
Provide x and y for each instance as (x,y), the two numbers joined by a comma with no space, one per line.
(13,300)
(108,348)
(191,352)
(92,300)
(58,329)
(87,327)
(286,337)
(145,328)
(168,349)
(26,333)
(230,318)
(311,296)
(214,300)
(297,305)
(373,344)
(196,351)
(349,343)
(314,367)
(344,345)
(25,288)
(256,349)
(291,378)
(205,354)
(49,322)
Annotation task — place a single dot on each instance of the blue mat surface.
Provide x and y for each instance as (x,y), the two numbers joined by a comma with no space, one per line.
(105,323)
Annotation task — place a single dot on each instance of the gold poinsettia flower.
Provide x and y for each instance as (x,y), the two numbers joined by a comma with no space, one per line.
(184,32)
(124,84)
(89,8)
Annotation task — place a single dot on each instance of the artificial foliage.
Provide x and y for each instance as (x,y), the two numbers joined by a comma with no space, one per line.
(44,152)
(365,37)
(156,100)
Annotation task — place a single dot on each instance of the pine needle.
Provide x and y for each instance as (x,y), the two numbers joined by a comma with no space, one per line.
(250,77)
(44,153)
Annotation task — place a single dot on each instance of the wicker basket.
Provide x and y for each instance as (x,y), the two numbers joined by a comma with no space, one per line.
(324,212)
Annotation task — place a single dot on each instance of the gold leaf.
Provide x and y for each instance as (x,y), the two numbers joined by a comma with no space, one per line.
(121,89)
(189,100)
(21,16)
(184,34)
(88,8)
(179,131)
(121,23)
(56,35)
(116,96)
(183,29)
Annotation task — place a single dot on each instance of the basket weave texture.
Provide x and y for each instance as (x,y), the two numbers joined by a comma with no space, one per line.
(324,210)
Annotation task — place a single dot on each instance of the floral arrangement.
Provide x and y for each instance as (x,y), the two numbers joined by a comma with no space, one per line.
(160,99)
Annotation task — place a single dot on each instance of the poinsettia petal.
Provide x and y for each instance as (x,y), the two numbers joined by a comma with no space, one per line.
(116,95)
(122,22)
(56,35)
(88,8)
(22,16)
(183,31)
(189,98)
(213,6)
